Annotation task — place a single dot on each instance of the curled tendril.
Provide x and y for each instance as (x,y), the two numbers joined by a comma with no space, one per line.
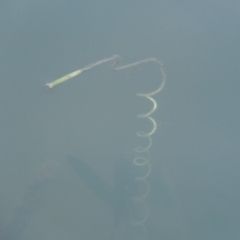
(143,158)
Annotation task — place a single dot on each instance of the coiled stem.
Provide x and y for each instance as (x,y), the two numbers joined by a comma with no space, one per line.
(143,158)
(142,161)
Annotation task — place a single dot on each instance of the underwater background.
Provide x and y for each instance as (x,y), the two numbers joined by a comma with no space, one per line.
(195,154)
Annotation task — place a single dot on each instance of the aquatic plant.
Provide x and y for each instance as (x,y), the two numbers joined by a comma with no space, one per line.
(142,160)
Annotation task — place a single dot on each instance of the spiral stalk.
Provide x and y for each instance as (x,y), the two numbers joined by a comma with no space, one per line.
(143,153)
(142,160)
